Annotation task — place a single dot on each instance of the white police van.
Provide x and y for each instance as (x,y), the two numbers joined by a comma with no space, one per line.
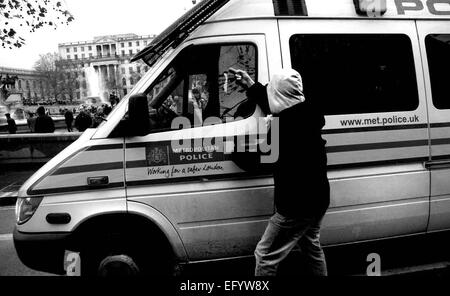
(127,200)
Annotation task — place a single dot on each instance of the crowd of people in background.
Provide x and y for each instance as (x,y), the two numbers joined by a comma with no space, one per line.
(83,118)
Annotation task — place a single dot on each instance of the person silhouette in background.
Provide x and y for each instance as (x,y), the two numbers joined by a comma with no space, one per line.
(12,127)
(68,118)
(44,123)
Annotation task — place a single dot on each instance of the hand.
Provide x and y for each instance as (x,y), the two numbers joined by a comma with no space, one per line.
(242,77)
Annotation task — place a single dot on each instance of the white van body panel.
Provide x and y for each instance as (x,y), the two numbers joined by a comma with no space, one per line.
(64,183)
(370,199)
(440,135)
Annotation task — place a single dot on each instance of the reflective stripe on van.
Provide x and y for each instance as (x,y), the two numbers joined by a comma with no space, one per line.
(345,147)
(72,174)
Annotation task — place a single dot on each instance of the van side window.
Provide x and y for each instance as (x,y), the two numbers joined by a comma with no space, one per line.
(438,53)
(196,85)
(358,73)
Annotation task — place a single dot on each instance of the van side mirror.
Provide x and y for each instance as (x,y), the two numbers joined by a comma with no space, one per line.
(138,116)
(137,122)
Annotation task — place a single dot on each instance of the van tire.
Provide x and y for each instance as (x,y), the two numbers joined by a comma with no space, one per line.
(118,265)
(125,240)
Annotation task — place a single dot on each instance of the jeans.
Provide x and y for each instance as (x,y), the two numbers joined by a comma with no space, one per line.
(281,236)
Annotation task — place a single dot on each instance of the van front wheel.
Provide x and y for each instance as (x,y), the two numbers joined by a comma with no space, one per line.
(118,265)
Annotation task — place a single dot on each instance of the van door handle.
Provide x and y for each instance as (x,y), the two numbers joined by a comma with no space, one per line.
(98,181)
(438,164)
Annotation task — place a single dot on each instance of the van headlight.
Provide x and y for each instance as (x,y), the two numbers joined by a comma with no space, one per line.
(25,208)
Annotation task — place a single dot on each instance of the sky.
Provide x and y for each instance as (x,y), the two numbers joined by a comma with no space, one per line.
(97,18)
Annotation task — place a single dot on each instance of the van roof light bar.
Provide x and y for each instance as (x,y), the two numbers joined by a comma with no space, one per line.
(179,30)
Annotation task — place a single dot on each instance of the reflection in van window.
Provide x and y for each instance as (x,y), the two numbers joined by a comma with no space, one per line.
(195,85)
(438,53)
(349,74)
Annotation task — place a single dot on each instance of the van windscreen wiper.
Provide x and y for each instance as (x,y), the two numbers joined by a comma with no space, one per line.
(179,30)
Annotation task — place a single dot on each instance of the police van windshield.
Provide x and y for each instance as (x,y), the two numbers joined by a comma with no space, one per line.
(197,86)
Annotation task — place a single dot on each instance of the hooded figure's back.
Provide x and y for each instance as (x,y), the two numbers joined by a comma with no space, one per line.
(300,175)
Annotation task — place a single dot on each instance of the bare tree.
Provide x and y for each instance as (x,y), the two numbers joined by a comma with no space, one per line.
(16,16)
(60,75)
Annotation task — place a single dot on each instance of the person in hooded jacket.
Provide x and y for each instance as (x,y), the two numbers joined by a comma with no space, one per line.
(302,191)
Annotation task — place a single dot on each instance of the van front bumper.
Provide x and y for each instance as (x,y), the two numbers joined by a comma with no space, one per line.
(42,251)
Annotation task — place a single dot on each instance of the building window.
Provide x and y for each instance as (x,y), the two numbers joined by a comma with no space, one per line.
(75,57)
(123,70)
(89,47)
(68,56)
(130,51)
(130,69)
(145,42)
(137,43)
(354,83)
(90,55)
(131,81)
(67,49)
(130,44)
(82,55)
(138,69)
(124,82)
(123,52)
(82,48)
(74,49)
(20,84)
(122,44)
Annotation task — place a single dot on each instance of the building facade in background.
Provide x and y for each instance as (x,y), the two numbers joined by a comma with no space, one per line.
(102,66)
(29,84)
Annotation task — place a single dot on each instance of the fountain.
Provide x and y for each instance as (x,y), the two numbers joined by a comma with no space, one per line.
(96,84)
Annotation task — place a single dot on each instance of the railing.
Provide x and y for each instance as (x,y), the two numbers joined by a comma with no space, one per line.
(33,148)
(102,57)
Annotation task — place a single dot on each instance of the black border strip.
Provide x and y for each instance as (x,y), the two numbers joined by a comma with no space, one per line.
(376,146)
(75,189)
(88,168)
(441,157)
(105,147)
(384,128)
(377,163)
(440,124)
(374,128)
(443,141)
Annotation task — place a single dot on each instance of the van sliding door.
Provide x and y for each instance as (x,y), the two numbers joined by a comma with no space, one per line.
(435,43)
(366,75)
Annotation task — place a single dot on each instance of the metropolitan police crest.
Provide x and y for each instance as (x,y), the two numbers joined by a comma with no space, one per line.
(156,156)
